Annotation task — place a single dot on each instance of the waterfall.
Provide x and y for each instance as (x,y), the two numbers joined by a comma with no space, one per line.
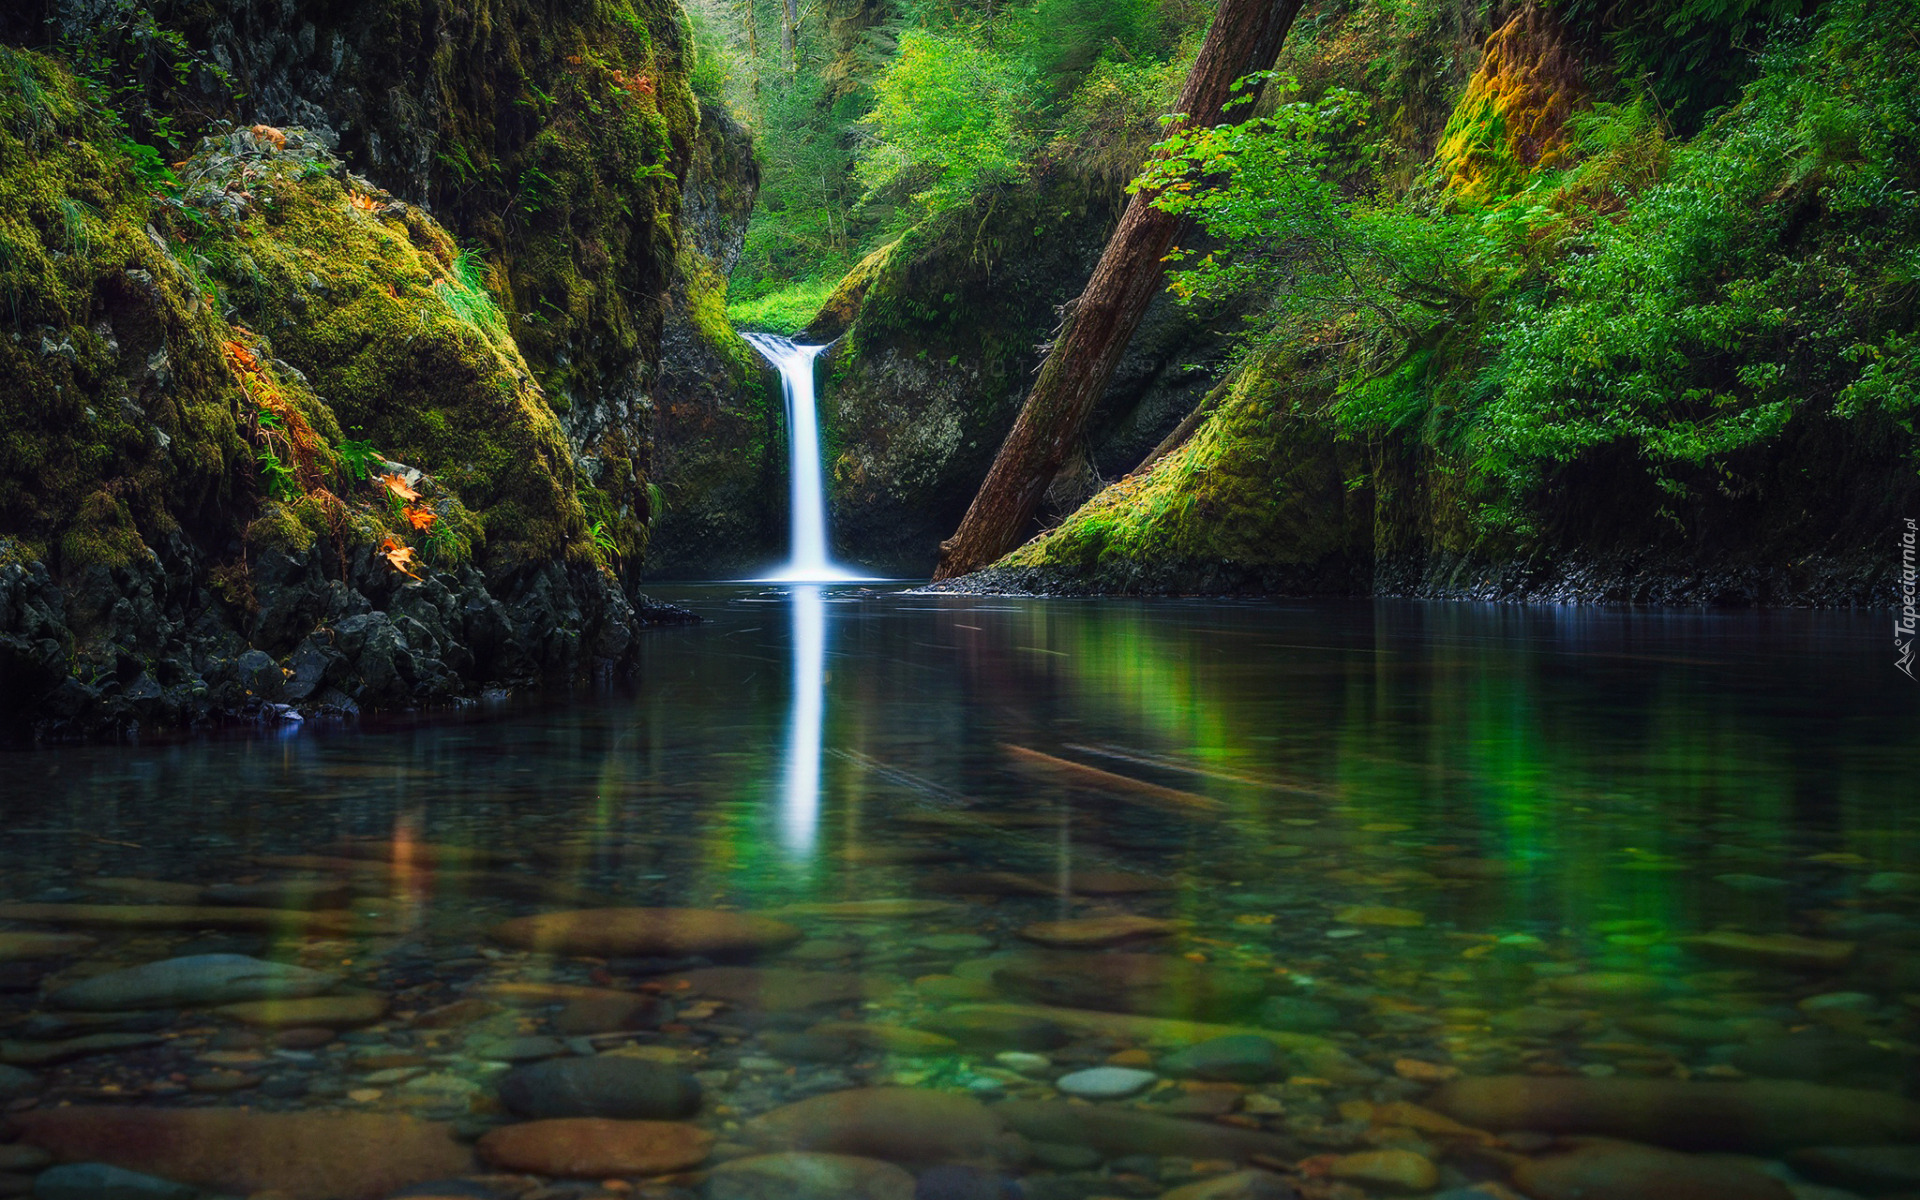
(807,559)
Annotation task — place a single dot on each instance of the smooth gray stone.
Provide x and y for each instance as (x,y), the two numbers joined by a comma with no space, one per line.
(98,1181)
(198,980)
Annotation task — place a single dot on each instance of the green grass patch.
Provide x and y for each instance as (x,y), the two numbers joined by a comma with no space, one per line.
(786,311)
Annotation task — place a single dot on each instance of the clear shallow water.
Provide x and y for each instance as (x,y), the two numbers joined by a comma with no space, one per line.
(1407,829)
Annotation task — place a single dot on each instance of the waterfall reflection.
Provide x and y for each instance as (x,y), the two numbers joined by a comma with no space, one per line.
(800,797)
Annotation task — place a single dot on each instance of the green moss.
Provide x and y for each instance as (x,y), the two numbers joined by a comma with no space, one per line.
(101,535)
(115,409)
(1511,120)
(1261,484)
(785,311)
(287,528)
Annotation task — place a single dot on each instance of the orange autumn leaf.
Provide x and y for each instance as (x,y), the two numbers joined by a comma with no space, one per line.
(242,356)
(363,203)
(398,485)
(271,136)
(420,518)
(399,557)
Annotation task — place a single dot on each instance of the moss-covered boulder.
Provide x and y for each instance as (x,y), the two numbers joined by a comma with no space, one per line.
(267,437)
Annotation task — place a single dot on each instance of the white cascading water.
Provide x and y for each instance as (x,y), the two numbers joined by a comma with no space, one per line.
(807,559)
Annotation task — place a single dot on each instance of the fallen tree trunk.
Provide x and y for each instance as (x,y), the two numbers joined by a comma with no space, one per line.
(1245,37)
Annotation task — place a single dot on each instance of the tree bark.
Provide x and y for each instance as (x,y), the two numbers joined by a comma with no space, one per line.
(1245,37)
(790,36)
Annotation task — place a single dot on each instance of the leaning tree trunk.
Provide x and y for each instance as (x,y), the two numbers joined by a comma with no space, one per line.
(1245,37)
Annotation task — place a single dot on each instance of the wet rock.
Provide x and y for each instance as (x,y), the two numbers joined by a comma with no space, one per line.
(964,1183)
(1779,950)
(1238,1058)
(1536,1022)
(1098,931)
(1819,1056)
(194,981)
(808,1047)
(456,1014)
(592,1148)
(303,1156)
(1758,1116)
(615,1013)
(808,1176)
(1621,1171)
(1387,1170)
(35,1054)
(16,1083)
(521,1049)
(1298,1015)
(1160,985)
(603,1086)
(324,1012)
(1704,1031)
(1238,1185)
(912,1126)
(16,947)
(991,1032)
(779,989)
(286,893)
(884,909)
(1105,1083)
(1874,1170)
(649,931)
(892,1039)
(1115,1131)
(1378,915)
(161,891)
(97,1181)
(74,1024)
(303,1038)
(1608,985)
(209,916)
(23,1158)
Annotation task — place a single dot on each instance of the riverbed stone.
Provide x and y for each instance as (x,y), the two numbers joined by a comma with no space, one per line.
(1756,1116)
(1623,1171)
(196,980)
(1609,985)
(1105,1083)
(808,1176)
(780,989)
(1297,1014)
(98,1181)
(1874,1170)
(22,947)
(198,916)
(322,1012)
(992,1032)
(603,1086)
(1387,1170)
(1158,985)
(1236,1058)
(1536,1021)
(596,1148)
(890,1039)
(1236,1185)
(915,1127)
(284,893)
(36,1054)
(1117,1131)
(662,932)
(1819,1056)
(1776,950)
(1098,931)
(16,1082)
(303,1156)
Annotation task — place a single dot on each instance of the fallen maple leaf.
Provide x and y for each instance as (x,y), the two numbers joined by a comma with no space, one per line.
(420,518)
(399,557)
(397,484)
(241,355)
(270,135)
(363,203)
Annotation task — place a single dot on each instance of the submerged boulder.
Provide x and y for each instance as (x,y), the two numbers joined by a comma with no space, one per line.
(192,981)
(663,932)
(914,1127)
(1759,1116)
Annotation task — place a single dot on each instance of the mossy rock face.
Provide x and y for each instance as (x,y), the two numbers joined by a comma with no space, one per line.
(942,347)
(1255,501)
(360,293)
(1511,121)
(185,527)
(716,453)
(118,423)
